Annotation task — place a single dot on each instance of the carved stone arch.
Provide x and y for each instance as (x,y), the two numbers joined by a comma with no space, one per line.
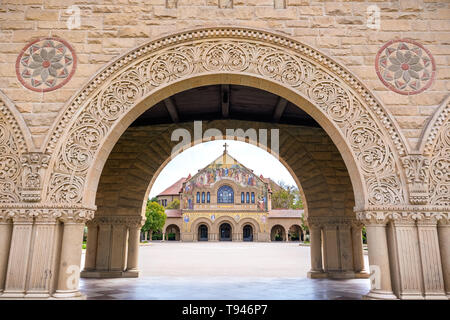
(224,219)
(248,221)
(199,221)
(360,127)
(436,154)
(15,141)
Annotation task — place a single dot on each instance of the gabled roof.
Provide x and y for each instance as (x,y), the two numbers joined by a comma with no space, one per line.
(174,189)
(227,161)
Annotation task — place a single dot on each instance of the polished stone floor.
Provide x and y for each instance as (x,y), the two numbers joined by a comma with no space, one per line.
(224,271)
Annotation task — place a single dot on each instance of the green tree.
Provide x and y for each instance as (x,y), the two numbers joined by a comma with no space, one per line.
(175,204)
(155,217)
(286,197)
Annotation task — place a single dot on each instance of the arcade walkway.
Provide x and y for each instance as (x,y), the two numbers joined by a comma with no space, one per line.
(224,270)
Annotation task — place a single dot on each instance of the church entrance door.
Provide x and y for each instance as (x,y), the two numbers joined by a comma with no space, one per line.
(225,232)
(248,233)
(203,233)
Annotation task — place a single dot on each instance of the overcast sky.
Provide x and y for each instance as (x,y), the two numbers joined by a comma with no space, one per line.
(199,156)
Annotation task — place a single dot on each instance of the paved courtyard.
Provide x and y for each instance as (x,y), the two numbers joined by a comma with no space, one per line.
(224,271)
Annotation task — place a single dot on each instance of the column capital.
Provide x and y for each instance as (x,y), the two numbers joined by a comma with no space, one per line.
(329,221)
(129,221)
(373,217)
(75,215)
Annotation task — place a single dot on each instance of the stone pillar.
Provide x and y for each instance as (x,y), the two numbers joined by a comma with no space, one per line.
(91,246)
(315,232)
(331,248)
(70,259)
(346,249)
(5,243)
(431,258)
(444,246)
(406,243)
(119,245)
(42,267)
(102,260)
(134,227)
(19,251)
(381,286)
(358,252)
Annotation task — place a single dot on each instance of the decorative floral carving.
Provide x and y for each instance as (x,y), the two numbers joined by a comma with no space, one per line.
(46,64)
(439,178)
(405,66)
(33,165)
(292,68)
(416,169)
(10,168)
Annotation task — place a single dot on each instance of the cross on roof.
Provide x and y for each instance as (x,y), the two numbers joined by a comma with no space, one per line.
(225,146)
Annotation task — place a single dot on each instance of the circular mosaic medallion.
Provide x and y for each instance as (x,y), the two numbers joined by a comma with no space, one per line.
(46,64)
(405,66)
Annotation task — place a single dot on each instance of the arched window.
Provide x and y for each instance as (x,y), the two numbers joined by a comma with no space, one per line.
(253,197)
(198,197)
(225,194)
(208,197)
(248,197)
(203,197)
(242,197)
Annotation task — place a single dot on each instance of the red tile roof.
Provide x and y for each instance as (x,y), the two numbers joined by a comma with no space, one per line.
(173,189)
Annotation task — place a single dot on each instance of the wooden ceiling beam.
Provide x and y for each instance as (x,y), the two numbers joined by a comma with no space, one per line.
(279,109)
(172,109)
(225,100)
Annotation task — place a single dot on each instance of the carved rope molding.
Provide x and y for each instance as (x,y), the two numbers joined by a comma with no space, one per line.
(116,90)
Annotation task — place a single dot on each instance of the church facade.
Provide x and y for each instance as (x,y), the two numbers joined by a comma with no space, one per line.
(225,201)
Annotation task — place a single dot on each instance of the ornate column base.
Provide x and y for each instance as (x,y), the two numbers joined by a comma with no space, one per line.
(362,275)
(68,295)
(109,274)
(379,295)
(313,274)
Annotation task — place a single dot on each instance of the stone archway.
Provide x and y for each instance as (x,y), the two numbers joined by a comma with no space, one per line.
(278,233)
(346,110)
(400,220)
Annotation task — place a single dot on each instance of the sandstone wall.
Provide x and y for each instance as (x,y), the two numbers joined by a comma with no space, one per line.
(338,28)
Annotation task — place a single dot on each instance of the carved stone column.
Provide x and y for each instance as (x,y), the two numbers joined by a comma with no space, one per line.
(91,245)
(381,286)
(444,246)
(69,266)
(42,255)
(315,232)
(358,252)
(430,257)
(134,228)
(331,247)
(119,245)
(406,242)
(346,249)
(16,274)
(5,242)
